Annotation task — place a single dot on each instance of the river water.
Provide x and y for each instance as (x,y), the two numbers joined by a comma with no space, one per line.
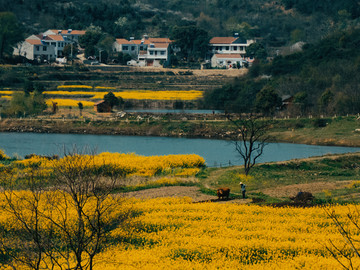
(215,152)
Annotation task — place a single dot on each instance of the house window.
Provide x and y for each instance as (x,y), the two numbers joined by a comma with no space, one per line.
(37,48)
(235,48)
(53,44)
(220,48)
(141,48)
(151,52)
(227,48)
(241,48)
(125,48)
(162,52)
(44,48)
(133,48)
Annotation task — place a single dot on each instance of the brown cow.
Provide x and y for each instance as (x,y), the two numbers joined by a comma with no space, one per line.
(223,193)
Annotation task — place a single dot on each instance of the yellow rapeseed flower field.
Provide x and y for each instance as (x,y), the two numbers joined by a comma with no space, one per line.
(135,94)
(64,102)
(132,164)
(174,233)
(177,234)
(74,86)
(128,94)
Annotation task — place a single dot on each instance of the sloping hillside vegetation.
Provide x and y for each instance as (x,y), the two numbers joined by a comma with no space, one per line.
(278,23)
(322,79)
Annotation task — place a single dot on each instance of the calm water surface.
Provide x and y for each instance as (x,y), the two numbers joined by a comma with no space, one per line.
(215,152)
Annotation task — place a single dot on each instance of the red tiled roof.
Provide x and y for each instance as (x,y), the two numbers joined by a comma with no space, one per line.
(66,32)
(222,40)
(34,41)
(123,41)
(138,42)
(160,40)
(160,45)
(42,37)
(56,37)
(228,55)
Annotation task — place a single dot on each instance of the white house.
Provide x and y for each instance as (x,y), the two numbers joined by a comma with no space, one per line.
(147,51)
(229,45)
(69,35)
(157,54)
(47,46)
(227,60)
(131,47)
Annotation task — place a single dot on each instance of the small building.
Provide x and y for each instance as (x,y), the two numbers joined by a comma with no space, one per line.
(102,107)
(228,61)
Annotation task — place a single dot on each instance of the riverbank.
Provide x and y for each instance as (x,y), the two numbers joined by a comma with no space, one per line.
(340,131)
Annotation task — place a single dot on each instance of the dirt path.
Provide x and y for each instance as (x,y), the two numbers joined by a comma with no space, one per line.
(292,190)
(180,191)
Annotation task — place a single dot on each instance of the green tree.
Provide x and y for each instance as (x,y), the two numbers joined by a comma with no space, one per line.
(90,40)
(325,100)
(81,107)
(267,100)
(257,51)
(301,99)
(192,41)
(10,33)
(111,99)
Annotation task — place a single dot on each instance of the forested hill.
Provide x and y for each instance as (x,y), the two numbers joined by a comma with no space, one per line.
(322,79)
(278,23)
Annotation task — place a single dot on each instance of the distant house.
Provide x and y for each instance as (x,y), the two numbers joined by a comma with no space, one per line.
(102,107)
(69,35)
(47,46)
(125,46)
(229,45)
(147,51)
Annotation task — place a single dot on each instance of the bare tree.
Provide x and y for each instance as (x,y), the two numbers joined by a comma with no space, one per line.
(253,137)
(347,254)
(67,223)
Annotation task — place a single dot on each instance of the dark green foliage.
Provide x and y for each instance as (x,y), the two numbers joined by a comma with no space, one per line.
(192,41)
(267,100)
(238,96)
(256,50)
(10,33)
(111,99)
(122,58)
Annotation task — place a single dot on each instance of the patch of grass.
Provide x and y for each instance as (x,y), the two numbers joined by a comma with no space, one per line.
(275,175)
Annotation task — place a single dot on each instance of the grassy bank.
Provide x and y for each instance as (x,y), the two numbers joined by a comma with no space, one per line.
(331,178)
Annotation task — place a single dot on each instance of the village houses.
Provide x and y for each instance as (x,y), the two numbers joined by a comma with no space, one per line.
(48,45)
(224,52)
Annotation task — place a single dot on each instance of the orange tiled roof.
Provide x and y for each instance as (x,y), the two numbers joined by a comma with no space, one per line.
(161,45)
(228,55)
(34,41)
(66,32)
(160,40)
(138,42)
(222,40)
(123,41)
(56,37)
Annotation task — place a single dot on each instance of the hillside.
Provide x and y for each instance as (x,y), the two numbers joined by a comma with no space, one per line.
(322,79)
(277,23)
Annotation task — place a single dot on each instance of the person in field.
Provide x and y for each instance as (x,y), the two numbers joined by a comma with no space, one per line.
(243,189)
